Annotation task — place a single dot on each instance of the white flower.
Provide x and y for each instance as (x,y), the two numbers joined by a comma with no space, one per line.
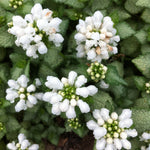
(24,94)
(107,131)
(68,93)
(22,144)
(11,146)
(100,144)
(32,31)
(96,37)
(34,147)
(99,132)
(145,137)
(53,83)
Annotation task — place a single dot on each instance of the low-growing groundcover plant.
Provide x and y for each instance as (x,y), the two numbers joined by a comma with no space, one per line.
(75,66)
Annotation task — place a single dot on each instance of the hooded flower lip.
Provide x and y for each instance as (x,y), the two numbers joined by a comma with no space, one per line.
(36,28)
(23,144)
(68,93)
(96,37)
(24,93)
(110,130)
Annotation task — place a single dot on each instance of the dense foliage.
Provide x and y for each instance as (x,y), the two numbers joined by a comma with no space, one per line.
(127,72)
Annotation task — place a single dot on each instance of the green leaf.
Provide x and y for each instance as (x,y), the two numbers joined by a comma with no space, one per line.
(143,3)
(54,134)
(135,143)
(112,76)
(141,118)
(5,4)
(18,59)
(25,8)
(12,124)
(74,3)
(64,26)
(129,50)
(119,91)
(53,58)
(124,30)
(80,69)
(6,39)
(143,64)
(130,5)
(82,131)
(45,70)
(3,54)
(145,49)
(119,67)
(139,82)
(146,15)
(39,1)
(141,103)
(103,100)
(100,4)
(16,72)
(141,36)
(4,72)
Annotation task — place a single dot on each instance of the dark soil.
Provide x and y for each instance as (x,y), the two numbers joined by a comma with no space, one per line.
(71,141)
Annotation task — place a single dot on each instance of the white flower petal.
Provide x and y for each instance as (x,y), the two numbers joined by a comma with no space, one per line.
(97,114)
(25,144)
(64,105)
(81,80)
(92,125)
(126,113)
(71,112)
(125,123)
(53,83)
(84,107)
(126,144)
(105,114)
(20,106)
(131,132)
(117,143)
(32,99)
(23,80)
(55,109)
(47,96)
(100,144)
(55,98)
(34,147)
(13,84)
(109,147)
(84,92)
(71,77)
(92,90)
(31,88)
(99,132)
(11,146)
(21,137)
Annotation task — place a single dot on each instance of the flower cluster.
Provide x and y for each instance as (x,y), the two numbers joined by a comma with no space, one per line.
(96,37)
(68,93)
(24,94)
(35,30)
(147,87)
(112,131)
(15,3)
(97,71)
(23,144)
(74,123)
(146,138)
